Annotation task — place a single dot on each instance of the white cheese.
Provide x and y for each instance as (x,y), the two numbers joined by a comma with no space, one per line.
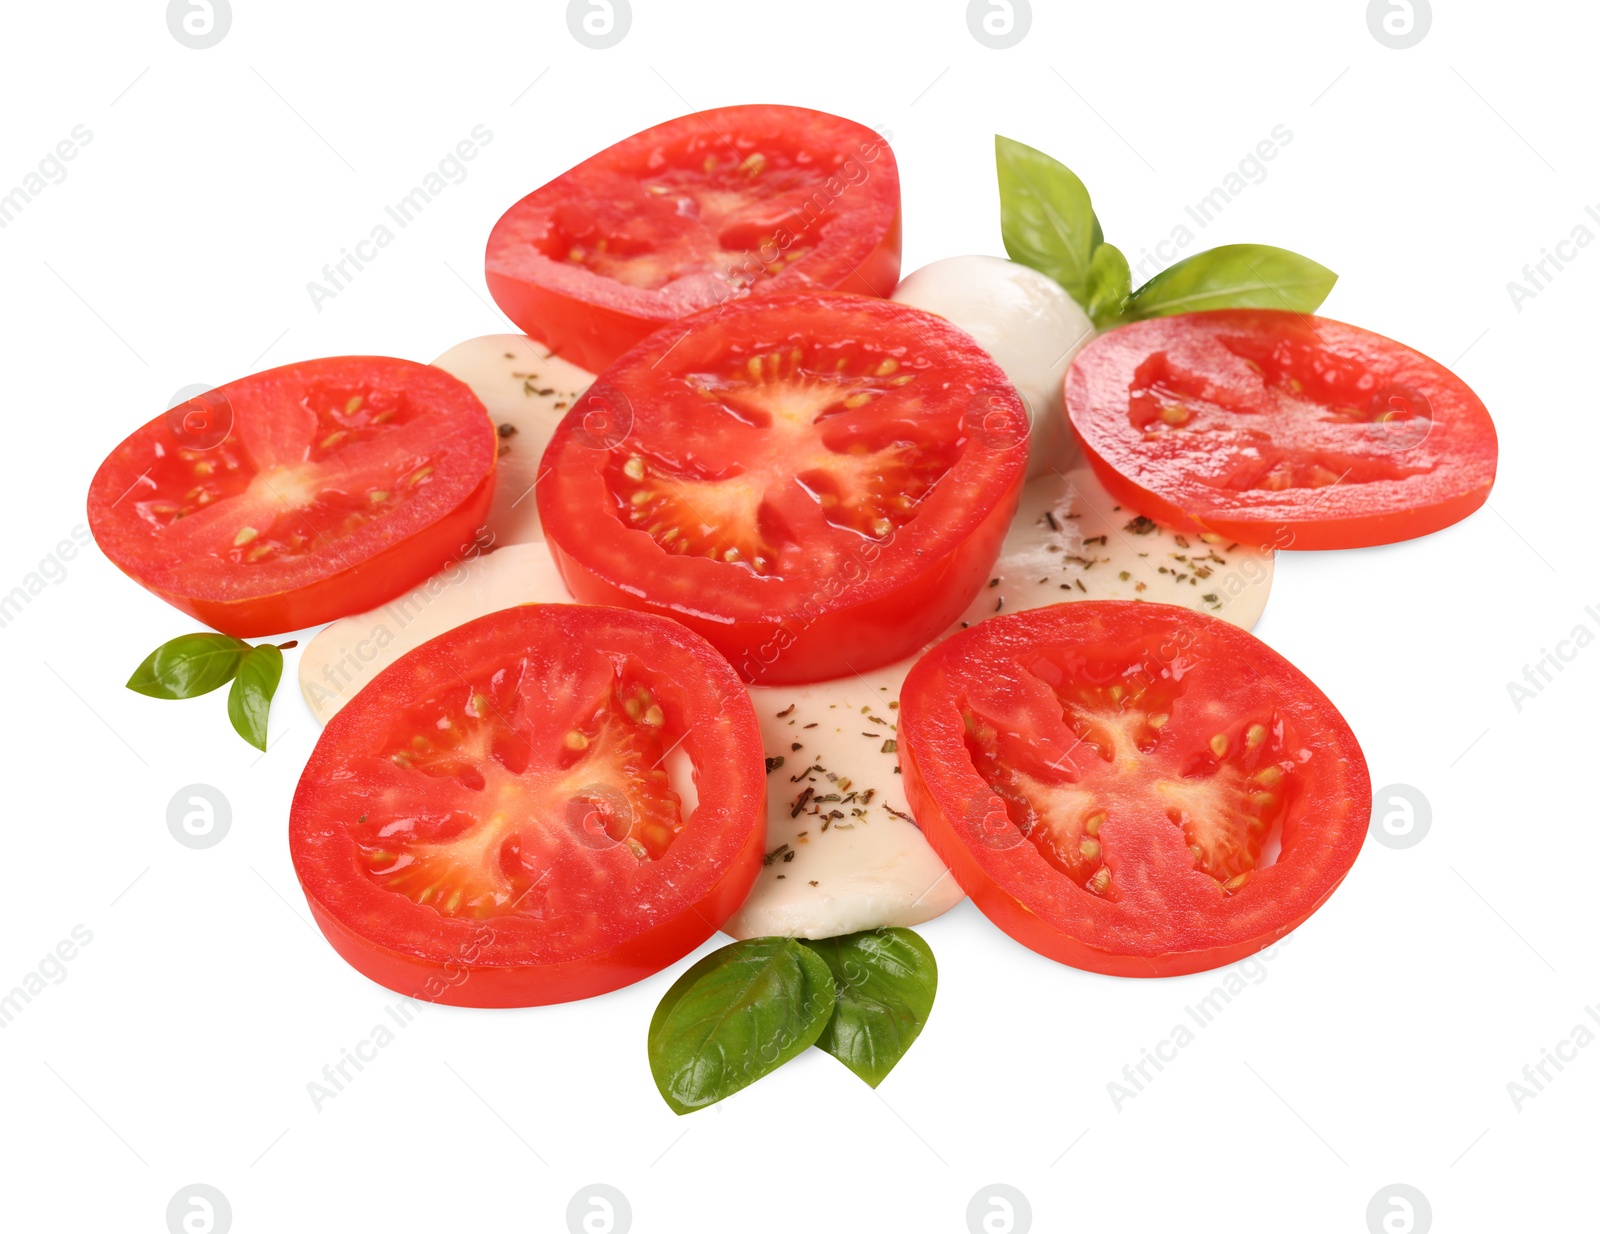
(1026,322)
(1071,541)
(527,392)
(346,655)
(842,851)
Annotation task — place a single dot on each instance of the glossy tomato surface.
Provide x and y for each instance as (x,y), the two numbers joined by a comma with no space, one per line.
(1280,429)
(496,820)
(300,494)
(818,484)
(713,206)
(1111,780)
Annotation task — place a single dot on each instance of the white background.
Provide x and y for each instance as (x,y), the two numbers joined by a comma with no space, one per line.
(1379,1045)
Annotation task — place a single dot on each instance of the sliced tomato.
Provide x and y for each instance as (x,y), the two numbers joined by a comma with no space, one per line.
(494,820)
(709,207)
(1110,780)
(298,495)
(1280,429)
(816,483)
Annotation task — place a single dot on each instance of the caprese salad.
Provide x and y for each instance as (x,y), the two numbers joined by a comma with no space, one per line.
(751,588)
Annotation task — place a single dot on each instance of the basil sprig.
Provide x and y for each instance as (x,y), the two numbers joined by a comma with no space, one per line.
(1048,223)
(195,664)
(747,1008)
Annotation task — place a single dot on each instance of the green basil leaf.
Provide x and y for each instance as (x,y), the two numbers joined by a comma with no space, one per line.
(1046,219)
(1110,284)
(188,666)
(885,980)
(1235,276)
(741,1012)
(251,697)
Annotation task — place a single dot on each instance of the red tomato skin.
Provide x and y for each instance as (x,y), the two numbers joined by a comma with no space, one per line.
(839,643)
(399,562)
(1095,376)
(1021,923)
(883,622)
(995,879)
(592,335)
(379,579)
(463,983)
(488,962)
(591,323)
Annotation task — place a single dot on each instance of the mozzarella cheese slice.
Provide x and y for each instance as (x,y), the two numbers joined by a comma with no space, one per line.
(1026,322)
(843,853)
(1071,541)
(527,391)
(346,655)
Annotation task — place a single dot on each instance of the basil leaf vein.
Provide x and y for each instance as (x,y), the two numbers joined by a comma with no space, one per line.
(1235,276)
(737,1015)
(885,984)
(188,666)
(1110,284)
(250,699)
(1046,218)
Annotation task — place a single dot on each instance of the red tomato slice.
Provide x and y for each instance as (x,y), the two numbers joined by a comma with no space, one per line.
(491,821)
(681,217)
(1108,779)
(298,495)
(817,484)
(1281,429)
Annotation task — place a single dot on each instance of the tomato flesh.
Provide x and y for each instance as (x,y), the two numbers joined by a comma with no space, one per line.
(1108,781)
(720,204)
(1281,429)
(335,485)
(817,484)
(492,820)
